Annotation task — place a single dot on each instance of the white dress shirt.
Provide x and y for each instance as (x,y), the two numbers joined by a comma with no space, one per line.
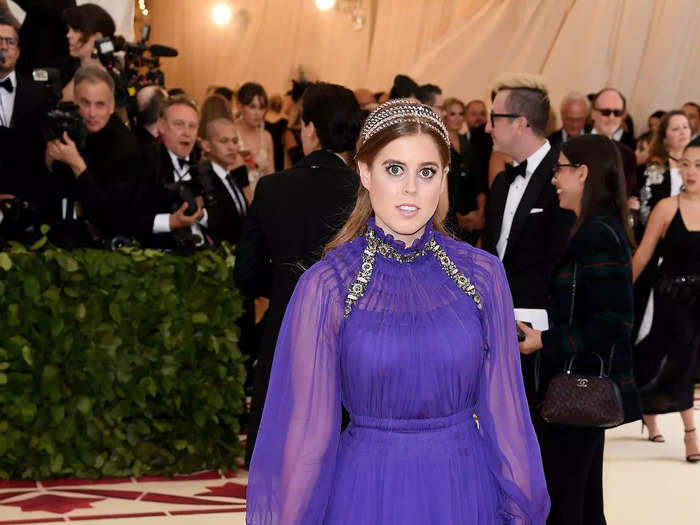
(7,101)
(161,223)
(234,191)
(515,195)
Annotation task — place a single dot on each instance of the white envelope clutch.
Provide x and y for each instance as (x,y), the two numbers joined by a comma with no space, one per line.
(536,316)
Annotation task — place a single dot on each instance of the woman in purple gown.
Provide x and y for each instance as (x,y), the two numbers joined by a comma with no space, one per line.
(414,334)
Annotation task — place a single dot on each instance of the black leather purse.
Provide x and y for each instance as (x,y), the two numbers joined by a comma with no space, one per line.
(583,400)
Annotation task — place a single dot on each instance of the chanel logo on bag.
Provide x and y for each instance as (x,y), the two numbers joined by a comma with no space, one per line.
(582,382)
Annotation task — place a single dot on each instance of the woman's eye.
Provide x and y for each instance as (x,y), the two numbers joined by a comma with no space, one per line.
(426,173)
(394,169)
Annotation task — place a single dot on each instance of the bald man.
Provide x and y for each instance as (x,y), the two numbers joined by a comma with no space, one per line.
(148,101)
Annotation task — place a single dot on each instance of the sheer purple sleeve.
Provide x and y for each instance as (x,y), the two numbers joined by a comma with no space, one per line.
(504,417)
(294,460)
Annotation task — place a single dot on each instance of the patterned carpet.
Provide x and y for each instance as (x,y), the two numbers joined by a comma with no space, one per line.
(645,484)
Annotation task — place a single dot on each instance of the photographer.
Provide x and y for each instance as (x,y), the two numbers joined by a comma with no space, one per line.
(172,203)
(104,176)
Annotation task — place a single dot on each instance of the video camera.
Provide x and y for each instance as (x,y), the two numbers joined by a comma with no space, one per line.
(130,77)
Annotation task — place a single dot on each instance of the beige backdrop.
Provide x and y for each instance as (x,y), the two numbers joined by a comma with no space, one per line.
(650,49)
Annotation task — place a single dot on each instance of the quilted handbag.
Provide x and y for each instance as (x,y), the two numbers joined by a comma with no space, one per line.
(582,400)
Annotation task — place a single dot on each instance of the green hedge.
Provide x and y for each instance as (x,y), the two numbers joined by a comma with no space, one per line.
(115,364)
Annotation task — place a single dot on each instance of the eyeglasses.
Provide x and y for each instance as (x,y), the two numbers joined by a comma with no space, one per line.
(557,167)
(10,41)
(607,111)
(505,115)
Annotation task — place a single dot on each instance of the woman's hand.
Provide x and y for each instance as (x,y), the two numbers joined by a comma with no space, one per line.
(533,339)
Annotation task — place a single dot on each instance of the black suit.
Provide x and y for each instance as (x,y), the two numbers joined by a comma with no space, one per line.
(293,215)
(536,243)
(556,139)
(536,240)
(154,198)
(225,218)
(22,145)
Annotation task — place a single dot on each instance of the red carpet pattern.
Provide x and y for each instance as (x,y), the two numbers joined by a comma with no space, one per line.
(73,500)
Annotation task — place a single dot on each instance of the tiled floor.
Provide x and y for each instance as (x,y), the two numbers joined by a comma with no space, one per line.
(645,484)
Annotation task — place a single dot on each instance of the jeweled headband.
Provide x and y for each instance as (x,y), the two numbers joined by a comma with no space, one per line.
(403,110)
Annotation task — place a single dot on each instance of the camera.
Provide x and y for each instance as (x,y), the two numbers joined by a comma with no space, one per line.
(129,76)
(64,116)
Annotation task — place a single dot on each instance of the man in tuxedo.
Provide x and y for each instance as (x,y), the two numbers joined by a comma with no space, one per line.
(525,227)
(23,109)
(294,214)
(574,111)
(607,112)
(172,221)
(224,175)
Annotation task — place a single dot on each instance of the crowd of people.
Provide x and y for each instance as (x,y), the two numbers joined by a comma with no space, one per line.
(414,356)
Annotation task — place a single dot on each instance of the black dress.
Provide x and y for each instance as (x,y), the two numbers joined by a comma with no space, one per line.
(277,129)
(666,358)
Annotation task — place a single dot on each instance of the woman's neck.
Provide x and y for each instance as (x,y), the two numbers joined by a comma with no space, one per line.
(454,138)
(674,155)
(247,126)
(691,196)
(89,61)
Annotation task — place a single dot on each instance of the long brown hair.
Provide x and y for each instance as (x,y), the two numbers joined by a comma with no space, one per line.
(605,186)
(367,151)
(658,151)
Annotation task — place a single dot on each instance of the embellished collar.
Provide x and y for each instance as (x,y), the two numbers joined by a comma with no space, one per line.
(387,246)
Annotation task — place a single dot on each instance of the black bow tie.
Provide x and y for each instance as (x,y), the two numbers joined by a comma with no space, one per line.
(182,163)
(514,171)
(7,84)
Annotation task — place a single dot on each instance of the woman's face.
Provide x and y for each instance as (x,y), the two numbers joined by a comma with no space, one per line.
(404,182)
(455,117)
(690,170)
(677,133)
(569,182)
(80,46)
(254,113)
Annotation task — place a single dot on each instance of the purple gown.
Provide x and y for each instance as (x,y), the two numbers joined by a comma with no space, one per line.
(413,361)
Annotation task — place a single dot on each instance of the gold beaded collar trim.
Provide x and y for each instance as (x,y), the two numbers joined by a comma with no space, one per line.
(375,244)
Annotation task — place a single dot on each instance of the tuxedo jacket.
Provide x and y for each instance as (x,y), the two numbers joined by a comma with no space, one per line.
(293,215)
(225,222)
(22,145)
(538,236)
(153,198)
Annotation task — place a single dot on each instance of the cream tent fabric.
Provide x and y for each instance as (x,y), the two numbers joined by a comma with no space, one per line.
(650,49)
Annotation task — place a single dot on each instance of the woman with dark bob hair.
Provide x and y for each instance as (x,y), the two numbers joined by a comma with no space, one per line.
(254,141)
(413,333)
(87,23)
(591,312)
